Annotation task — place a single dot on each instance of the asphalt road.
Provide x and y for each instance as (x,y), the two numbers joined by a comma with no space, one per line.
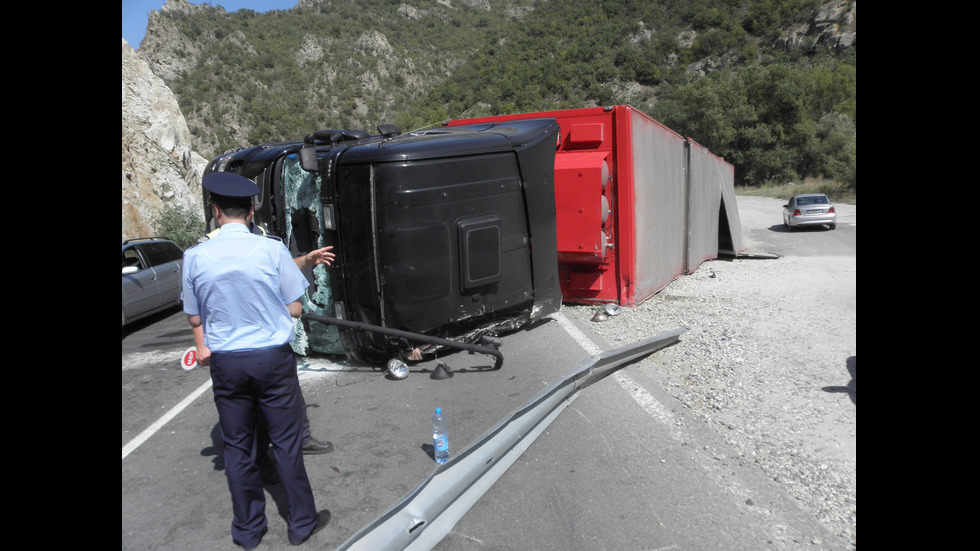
(623,468)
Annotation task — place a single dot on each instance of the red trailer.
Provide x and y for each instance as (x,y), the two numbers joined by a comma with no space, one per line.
(637,205)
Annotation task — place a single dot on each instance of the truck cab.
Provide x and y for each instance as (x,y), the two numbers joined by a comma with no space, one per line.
(448,232)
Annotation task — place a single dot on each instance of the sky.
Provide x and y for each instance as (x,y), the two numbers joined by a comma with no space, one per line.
(136,12)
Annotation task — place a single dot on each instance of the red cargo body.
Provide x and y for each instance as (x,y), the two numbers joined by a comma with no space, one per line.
(637,205)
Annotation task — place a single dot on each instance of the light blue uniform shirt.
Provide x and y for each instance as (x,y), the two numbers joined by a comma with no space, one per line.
(240,283)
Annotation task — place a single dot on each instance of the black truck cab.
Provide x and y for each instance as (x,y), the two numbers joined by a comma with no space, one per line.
(448,233)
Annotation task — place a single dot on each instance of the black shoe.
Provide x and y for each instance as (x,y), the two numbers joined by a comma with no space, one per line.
(322,518)
(314,446)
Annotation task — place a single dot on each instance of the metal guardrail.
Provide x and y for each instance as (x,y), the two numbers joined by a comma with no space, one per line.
(426,514)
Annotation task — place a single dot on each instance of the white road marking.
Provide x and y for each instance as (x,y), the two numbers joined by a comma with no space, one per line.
(146,434)
(309,368)
(651,405)
(590,347)
(655,409)
(142,359)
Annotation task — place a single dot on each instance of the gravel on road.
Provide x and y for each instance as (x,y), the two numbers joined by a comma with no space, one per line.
(769,361)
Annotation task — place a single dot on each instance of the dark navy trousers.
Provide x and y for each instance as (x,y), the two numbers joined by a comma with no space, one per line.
(245,383)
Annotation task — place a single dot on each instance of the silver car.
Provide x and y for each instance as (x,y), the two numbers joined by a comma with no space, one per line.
(151,283)
(810,209)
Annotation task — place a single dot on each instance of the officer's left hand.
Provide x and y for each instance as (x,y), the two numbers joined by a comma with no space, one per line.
(319,256)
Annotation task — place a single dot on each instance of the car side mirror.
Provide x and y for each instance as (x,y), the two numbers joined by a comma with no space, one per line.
(130,270)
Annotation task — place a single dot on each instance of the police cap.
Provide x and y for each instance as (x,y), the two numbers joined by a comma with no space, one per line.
(229,184)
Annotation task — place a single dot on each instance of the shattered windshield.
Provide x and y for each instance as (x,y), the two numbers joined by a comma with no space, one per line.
(304,233)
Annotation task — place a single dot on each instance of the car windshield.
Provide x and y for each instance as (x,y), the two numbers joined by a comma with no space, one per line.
(817,200)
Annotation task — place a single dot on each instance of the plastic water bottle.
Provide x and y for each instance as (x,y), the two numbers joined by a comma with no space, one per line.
(440,437)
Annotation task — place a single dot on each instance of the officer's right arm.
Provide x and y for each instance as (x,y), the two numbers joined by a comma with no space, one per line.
(295,308)
(203,352)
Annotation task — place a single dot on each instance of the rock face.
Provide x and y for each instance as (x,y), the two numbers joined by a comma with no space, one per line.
(835,25)
(169,52)
(158,165)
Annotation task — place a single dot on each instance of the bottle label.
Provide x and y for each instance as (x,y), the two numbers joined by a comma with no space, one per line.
(442,444)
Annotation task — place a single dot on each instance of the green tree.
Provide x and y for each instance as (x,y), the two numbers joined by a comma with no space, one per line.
(774,124)
(183,226)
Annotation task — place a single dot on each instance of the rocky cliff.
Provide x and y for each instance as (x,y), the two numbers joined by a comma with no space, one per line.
(158,165)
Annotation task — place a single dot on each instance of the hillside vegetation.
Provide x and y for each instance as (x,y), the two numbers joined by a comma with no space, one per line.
(740,77)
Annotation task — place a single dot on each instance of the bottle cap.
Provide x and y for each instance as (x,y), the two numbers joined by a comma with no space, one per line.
(438,410)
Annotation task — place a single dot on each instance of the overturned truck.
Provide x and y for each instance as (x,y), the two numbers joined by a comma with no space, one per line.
(450,236)
(442,236)
(637,204)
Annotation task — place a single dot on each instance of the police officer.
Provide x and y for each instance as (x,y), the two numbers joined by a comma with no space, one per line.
(311,445)
(244,290)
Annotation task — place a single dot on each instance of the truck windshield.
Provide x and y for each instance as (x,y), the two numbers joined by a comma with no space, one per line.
(304,233)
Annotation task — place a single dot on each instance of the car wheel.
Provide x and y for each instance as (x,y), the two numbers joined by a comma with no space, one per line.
(833,226)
